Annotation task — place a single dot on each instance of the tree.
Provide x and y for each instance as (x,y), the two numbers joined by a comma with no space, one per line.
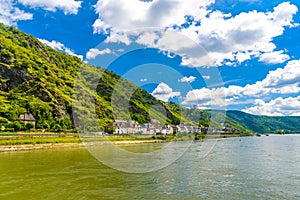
(17,126)
(29,126)
(15,110)
(204,119)
(56,127)
(41,111)
(65,123)
(46,126)
(3,120)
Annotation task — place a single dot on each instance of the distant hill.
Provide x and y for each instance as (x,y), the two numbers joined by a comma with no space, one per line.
(36,77)
(247,122)
(265,124)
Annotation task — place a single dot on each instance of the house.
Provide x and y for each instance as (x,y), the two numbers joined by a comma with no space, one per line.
(27,118)
(193,129)
(120,126)
(148,129)
(167,130)
(126,127)
(187,129)
(182,128)
(133,128)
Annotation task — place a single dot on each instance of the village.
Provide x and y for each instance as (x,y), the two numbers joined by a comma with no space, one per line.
(154,127)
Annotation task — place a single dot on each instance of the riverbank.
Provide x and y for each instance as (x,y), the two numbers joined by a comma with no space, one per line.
(28,147)
(37,142)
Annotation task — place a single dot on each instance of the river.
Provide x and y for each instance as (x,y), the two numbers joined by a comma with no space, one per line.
(236,168)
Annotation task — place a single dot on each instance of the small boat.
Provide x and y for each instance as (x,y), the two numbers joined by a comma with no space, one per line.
(267,134)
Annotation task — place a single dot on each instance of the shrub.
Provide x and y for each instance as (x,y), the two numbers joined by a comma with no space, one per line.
(29,126)
(3,120)
(46,126)
(17,126)
(9,129)
(56,127)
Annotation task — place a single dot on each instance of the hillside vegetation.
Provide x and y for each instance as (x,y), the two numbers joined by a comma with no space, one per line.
(38,78)
(265,124)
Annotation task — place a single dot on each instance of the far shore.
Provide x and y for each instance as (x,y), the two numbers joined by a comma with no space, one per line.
(26,143)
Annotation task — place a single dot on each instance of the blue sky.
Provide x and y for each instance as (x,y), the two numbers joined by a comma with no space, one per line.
(233,54)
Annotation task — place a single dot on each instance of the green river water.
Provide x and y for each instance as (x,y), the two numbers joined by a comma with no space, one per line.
(236,168)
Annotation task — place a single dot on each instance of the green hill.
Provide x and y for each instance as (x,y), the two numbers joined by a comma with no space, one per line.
(45,81)
(36,77)
(265,124)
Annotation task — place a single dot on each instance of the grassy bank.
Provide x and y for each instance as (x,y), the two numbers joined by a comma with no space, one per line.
(23,140)
(48,138)
(37,140)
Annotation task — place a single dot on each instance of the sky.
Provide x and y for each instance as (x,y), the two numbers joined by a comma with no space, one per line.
(234,54)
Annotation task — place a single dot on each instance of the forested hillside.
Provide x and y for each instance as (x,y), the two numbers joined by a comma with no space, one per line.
(40,79)
(266,124)
(36,77)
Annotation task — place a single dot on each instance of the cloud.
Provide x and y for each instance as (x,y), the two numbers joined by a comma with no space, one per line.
(234,39)
(278,107)
(54,44)
(206,77)
(274,57)
(215,97)
(67,6)
(60,47)
(164,92)
(224,39)
(147,38)
(186,79)
(118,38)
(9,14)
(93,53)
(282,81)
(124,15)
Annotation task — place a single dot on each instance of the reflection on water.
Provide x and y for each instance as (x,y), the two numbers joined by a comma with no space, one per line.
(250,168)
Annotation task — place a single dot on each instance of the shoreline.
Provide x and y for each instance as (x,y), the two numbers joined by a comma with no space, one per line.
(33,147)
(54,145)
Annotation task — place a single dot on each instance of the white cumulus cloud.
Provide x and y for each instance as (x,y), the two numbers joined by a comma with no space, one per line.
(206,77)
(215,97)
(274,57)
(225,39)
(60,47)
(9,14)
(67,6)
(93,53)
(234,39)
(186,79)
(282,81)
(278,107)
(124,15)
(164,92)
